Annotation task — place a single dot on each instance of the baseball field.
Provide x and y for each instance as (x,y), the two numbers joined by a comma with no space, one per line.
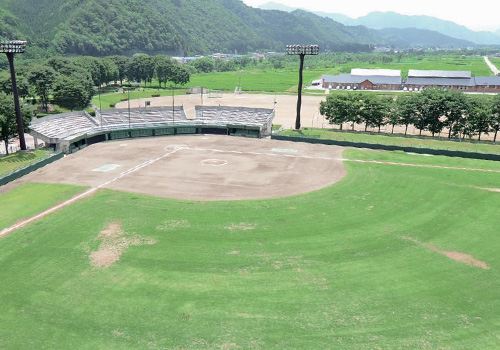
(208,242)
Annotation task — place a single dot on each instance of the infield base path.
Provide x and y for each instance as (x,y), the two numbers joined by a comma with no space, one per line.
(200,167)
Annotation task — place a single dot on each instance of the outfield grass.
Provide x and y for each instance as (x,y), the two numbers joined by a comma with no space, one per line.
(384,139)
(19,159)
(421,159)
(328,269)
(30,199)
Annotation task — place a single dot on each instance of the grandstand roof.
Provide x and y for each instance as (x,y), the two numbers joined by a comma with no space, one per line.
(377,72)
(63,126)
(415,73)
(70,126)
(223,116)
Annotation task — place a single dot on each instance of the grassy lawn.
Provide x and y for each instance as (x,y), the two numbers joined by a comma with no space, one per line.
(107,99)
(16,160)
(30,199)
(358,265)
(259,80)
(419,159)
(425,142)
(476,65)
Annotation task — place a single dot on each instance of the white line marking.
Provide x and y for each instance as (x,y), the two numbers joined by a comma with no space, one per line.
(86,193)
(419,165)
(219,184)
(260,153)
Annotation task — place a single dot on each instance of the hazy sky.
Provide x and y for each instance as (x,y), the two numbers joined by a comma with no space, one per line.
(476,15)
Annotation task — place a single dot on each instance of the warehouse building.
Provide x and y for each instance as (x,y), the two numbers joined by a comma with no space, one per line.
(388,79)
(364,79)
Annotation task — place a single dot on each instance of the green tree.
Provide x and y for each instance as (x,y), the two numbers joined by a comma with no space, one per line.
(42,78)
(163,68)
(8,122)
(455,105)
(407,110)
(70,93)
(67,67)
(121,65)
(341,108)
(141,68)
(22,84)
(373,111)
(495,117)
(479,116)
(204,65)
(432,107)
(180,75)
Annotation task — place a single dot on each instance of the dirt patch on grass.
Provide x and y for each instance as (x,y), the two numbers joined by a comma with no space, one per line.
(457,256)
(114,242)
(173,224)
(241,227)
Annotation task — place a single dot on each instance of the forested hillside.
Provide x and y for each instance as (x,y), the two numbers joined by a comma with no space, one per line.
(180,27)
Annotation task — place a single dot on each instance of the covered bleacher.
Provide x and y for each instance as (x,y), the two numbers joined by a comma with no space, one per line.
(70,132)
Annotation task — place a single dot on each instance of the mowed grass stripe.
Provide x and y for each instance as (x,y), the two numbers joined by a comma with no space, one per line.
(329,269)
(30,199)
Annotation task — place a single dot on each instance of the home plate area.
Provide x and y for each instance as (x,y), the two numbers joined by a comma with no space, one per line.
(202,167)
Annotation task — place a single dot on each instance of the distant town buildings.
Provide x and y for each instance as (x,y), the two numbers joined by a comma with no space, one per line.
(388,79)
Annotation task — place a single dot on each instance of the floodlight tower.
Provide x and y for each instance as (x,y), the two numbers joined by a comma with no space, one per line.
(302,51)
(10,48)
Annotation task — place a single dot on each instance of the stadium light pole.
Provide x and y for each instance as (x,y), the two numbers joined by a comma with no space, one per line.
(10,48)
(128,100)
(301,51)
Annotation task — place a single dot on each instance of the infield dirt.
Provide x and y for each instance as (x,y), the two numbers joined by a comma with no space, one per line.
(199,167)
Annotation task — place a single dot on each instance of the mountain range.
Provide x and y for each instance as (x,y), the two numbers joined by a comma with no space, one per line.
(185,27)
(176,27)
(391,20)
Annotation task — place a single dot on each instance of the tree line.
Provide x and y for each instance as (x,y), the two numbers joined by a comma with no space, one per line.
(432,110)
(72,82)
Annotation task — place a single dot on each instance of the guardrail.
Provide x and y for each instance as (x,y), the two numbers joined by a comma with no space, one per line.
(30,167)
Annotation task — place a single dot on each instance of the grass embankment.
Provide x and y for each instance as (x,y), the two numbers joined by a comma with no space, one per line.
(352,266)
(423,142)
(19,159)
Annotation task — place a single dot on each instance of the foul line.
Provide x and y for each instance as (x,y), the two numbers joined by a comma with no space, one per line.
(419,165)
(12,228)
(260,153)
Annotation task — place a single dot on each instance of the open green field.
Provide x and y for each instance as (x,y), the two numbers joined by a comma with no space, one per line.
(272,80)
(375,261)
(282,80)
(476,65)
(384,139)
(105,100)
(19,159)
